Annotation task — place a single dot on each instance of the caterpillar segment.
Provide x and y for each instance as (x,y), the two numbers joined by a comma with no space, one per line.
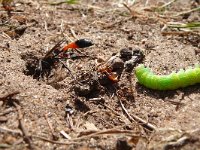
(197,66)
(164,82)
(142,73)
(190,77)
(172,81)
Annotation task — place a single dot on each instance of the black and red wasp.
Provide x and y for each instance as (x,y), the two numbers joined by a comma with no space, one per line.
(55,57)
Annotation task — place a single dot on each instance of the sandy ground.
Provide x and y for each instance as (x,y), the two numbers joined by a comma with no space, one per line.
(34,27)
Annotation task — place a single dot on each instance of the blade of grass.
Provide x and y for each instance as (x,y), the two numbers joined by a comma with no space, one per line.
(186,12)
(65,1)
(164,6)
(167,4)
(71,1)
(191,25)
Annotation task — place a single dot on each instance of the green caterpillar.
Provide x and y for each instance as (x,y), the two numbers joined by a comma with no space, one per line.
(173,81)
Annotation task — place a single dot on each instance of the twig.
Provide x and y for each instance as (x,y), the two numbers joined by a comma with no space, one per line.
(13,146)
(18,142)
(97,99)
(180,142)
(136,118)
(61,27)
(65,134)
(177,104)
(125,110)
(134,13)
(45,26)
(73,33)
(181,95)
(89,112)
(115,112)
(15,12)
(54,142)
(3,146)
(3,129)
(108,131)
(50,127)
(7,111)
(8,95)
(131,85)
(129,9)
(26,135)
(120,116)
(4,23)
(6,36)
(69,121)
(186,12)
(166,4)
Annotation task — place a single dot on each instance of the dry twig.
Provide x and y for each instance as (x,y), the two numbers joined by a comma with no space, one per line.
(73,33)
(102,132)
(8,95)
(4,129)
(26,135)
(7,111)
(187,12)
(180,142)
(54,142)
(134,13)
(50,127)
(136,118)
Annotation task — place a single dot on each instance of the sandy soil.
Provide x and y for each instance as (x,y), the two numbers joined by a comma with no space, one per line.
(34,27)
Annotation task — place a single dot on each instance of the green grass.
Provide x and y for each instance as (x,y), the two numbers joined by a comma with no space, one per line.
(65,1)
(191,25)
